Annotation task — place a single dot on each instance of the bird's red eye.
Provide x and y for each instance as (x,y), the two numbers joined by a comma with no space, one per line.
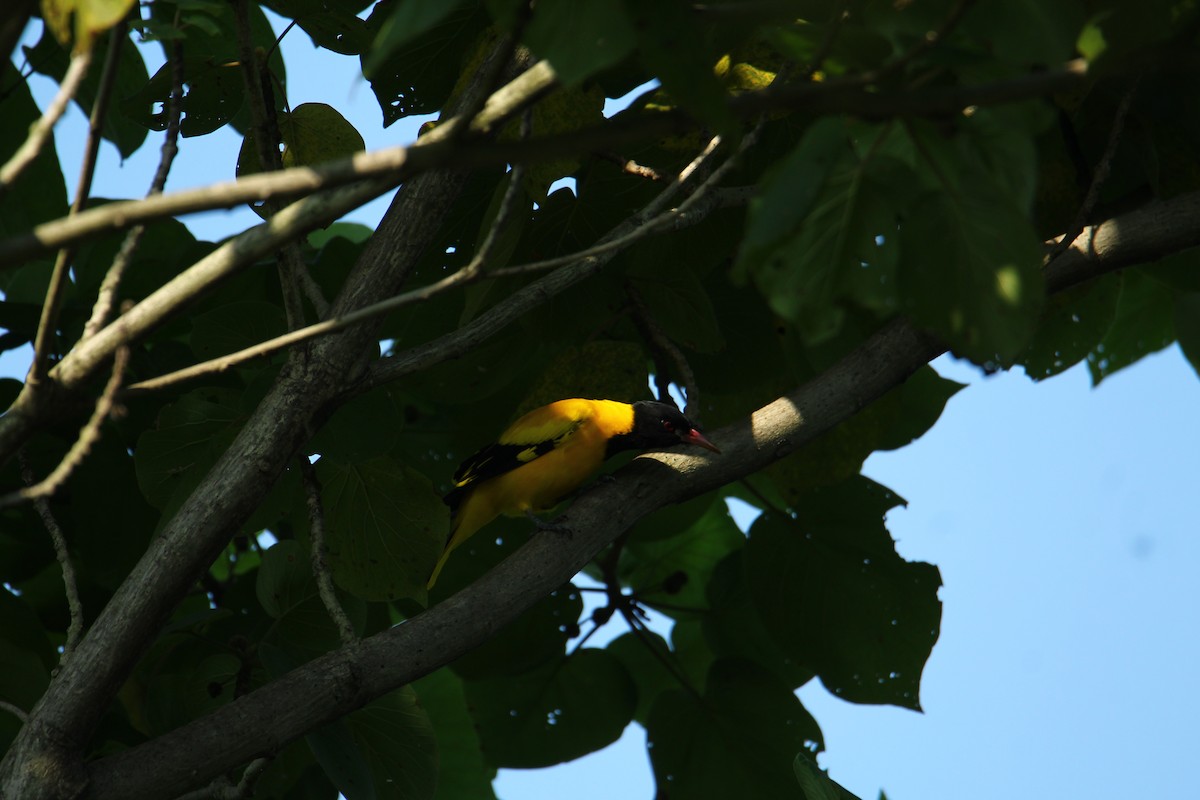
(668,426)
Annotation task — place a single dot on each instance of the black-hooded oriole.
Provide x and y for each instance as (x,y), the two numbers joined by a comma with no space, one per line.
(549,453)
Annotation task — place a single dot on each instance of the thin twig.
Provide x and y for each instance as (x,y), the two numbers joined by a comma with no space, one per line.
(459,278)
(631,167)
(837,17)
(1099,175)
(433,152)
(664,351)
(224,789)
(48,323)
(41,129)
(929,40)
(267,140)
(16,711)
(89,434)
(106,297)
(320,566)
(59,539)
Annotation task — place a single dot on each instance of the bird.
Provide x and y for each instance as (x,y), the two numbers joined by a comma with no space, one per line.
(548,453)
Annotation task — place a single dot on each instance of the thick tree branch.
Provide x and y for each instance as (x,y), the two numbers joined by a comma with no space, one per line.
(336,684)
(45,759)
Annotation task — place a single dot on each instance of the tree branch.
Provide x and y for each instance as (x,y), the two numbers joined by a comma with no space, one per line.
(48,324)
(42,129)
(333,685)
(106,296)
(88,436)
(433,152)
(45,760)
(63,555)
(320,564)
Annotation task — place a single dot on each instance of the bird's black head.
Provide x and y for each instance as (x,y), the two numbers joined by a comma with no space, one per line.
(658,425)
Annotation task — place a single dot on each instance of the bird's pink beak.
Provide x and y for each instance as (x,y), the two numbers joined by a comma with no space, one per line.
(697,438)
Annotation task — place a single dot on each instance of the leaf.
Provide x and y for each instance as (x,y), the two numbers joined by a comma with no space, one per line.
(580,39)
(981,287)
(39,193)
(562,710)
(672,46)
(399,743)
(462,771)
(284,579)
(1144,324)
(418,75)
(1187,326)
(675,571)
(837,598)
(838,243)
(678,302)
(91,18)
(737,740)
(406,20)
(535,638)
(343,762)
(366,427)
(1074,323)
(606,369)
(235,326)
(643,655)
(733,629)
(1027,32)
(187,439)
(815,784)
(49,58)
(385,527)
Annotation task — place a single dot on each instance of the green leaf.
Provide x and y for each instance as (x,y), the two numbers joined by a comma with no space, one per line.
(1144,324)
(676,300)
(216,95)
(536,637)
(609,369)
(90,17)
(284,579)
(39,194)
(838,599)
(1027,32)
(737,740)
(366,427)
(342,760)
(673,47)
(562,710)
(580,39)
(825,231)
(1187,326)
(49,58)
(415,73)
(980,288)
(235,326)
(733,628)
(1074,323)
(187,439)
(395,736)
(462,771)
(643,655)
(406,21)
(815,784)
(385,527)
(675,571)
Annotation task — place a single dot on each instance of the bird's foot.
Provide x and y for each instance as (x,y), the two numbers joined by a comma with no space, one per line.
(543,525)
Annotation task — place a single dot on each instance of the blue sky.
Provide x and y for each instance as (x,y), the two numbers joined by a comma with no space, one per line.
(1060,517)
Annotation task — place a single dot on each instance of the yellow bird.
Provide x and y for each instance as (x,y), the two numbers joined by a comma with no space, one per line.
(548,453)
